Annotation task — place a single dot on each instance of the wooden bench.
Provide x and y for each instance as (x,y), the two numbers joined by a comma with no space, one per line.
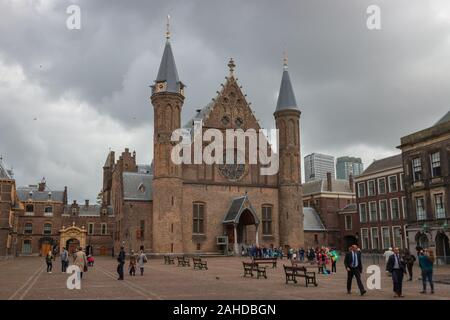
(272,261)
(183,261)
(249,267)
(198,263)
(169,260)
(292,273)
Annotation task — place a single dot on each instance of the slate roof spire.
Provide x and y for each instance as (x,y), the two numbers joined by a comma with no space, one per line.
(167,73)
(286,97)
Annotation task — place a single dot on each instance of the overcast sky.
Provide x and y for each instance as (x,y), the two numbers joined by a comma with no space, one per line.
(68,96)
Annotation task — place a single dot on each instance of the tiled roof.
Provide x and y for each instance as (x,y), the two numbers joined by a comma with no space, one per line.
(286,97)
(384,164)
(238,205)
(444,119)
(319,186)
(137,186)
(32,193)
(311,220)
(168,71)
(92,210)
(4,174)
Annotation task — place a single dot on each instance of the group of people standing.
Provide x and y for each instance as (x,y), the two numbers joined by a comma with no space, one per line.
(138,260)
(79,259)
(397,265)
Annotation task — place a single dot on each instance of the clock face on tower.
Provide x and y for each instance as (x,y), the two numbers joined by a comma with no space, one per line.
(232,171)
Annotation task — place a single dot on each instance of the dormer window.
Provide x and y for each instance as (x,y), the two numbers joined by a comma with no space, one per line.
(74,211)
(29,210)
(48,211)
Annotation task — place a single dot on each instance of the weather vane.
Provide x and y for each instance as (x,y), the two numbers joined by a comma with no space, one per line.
(168,27)
(285,59)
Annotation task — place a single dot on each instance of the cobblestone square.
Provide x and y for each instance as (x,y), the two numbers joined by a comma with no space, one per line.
(25,278)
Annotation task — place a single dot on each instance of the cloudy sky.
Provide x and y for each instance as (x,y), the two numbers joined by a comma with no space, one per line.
(68,96)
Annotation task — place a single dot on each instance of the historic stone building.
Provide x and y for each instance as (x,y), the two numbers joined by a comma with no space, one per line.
(381,206)
(426,163)
(187,208)
(327,197)
(9,206)
(45,221)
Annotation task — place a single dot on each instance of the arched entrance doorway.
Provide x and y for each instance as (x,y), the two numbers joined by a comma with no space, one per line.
(72,237)
(349,241)
(46,245)
(422,240)
(241,224)
(442,248)
(72,245)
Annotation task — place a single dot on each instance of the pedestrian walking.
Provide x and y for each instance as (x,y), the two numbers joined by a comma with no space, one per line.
(80,261)
(121,263)
(397,267)
(64,260)
(426,261)
(49,261)
(142,260)
(132,266)
(409,260)
(386,255)
(353,265)
(301,254)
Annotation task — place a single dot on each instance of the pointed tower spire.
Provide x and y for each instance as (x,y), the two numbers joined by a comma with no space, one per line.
(167,79)
(286,97)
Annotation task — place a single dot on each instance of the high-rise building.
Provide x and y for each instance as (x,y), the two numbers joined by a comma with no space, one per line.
(317,165)
(348,165)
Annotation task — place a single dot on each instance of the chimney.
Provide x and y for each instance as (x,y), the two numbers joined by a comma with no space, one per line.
(42,185)
(329,185)
(351,182)
(86,203)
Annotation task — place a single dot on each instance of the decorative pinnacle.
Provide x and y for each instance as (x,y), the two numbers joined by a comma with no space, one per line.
(285,60)
(168,27)
(231,65)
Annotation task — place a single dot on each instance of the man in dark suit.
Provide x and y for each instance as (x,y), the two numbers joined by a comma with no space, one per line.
(397,267)
(121,262)
(354,268)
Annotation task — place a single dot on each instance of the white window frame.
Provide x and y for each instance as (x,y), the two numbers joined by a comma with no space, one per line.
(398,208)
(51,228)
(362,239)
(364,188)
(382,238)
(89,228)
(371,238)
(414,172)
(389,183)
(359,209)
(424,216)
(374,188)
(393,237)
(385,186)
(435,205)
(345,222)
(387,209)
(106,229)
(431,163)
(370,211)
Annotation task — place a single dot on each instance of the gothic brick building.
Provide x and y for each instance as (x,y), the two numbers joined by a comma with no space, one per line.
(169,207)
(426,163)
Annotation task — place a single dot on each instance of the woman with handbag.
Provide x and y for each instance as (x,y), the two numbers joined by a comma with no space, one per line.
(80,261)
(142,259)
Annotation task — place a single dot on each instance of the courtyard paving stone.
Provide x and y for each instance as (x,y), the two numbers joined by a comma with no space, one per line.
(25,278)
